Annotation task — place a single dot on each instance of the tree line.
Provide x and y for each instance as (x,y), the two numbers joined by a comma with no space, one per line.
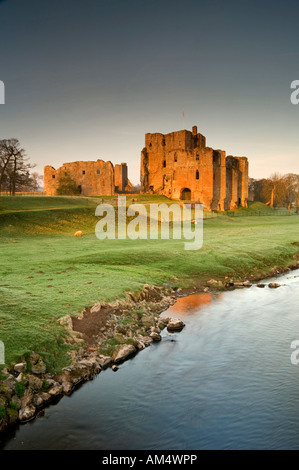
(15,168)
(277,190)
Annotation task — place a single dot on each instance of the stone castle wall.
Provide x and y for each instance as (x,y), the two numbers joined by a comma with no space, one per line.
(93,178)
(180,166)
(122,182)
(177,165)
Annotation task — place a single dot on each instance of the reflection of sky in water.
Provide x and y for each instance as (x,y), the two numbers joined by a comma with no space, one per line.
(190,304)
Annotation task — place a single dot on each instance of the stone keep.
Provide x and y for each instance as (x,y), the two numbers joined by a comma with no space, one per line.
(180,166)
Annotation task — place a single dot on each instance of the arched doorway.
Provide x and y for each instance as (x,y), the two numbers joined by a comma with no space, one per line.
(186,194)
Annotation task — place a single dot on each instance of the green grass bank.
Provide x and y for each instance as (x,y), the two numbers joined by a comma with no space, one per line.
(47,273)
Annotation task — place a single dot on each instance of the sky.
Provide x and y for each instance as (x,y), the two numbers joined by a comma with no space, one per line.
(87,79)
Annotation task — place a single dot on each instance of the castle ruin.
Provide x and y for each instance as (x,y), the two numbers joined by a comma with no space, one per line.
(93,178)
(177,165)
(180,166)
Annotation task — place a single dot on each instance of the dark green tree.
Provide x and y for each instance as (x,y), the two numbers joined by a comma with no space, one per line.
(67,186)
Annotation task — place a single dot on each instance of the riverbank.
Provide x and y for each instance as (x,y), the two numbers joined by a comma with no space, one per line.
(48,275)
(178,393)
(104,335)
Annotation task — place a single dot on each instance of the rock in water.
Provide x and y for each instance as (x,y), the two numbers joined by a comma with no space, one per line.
(27,413)
(175,324)
(155,336)
(125,351)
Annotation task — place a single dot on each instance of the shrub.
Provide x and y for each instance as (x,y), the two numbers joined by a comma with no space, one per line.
(67,186)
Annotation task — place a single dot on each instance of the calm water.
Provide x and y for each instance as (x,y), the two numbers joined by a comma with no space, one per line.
(225,382)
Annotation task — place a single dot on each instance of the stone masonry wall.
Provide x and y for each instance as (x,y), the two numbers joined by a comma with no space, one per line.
(180,166)
(93,178)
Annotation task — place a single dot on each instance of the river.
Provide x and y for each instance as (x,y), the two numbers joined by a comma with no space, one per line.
(225,382)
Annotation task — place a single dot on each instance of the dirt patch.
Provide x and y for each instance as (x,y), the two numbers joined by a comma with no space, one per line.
(91,324)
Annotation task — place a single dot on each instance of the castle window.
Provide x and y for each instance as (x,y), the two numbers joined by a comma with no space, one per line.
(175,157)
(53,176)
(150,145)
(98,172)
(197,156)
(164,164)
(163,141)
(83,172)
(197,175)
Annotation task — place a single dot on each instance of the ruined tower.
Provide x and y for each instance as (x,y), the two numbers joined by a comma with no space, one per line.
(180,166)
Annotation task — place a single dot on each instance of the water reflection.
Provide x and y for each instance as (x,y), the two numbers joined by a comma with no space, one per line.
(191,304)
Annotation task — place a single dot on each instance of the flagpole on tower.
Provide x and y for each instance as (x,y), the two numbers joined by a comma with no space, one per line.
(183,119)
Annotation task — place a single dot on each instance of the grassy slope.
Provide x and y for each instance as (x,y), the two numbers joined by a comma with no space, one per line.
(45,272)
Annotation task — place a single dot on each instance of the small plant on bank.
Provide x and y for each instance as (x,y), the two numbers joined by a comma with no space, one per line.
(20,388)
(109,346)
(132,341)
(2,412)
(45,386)
(13,406)
(139,313)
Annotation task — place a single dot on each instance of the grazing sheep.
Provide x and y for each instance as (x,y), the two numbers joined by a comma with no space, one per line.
(78,234)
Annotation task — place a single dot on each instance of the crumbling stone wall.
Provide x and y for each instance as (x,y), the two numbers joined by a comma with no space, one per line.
(122,182)
(180,166)
(236,182)
(92,178)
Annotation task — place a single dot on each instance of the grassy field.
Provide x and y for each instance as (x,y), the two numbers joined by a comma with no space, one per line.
(46,273)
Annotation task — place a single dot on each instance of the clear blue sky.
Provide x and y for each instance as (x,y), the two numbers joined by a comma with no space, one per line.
(87,79)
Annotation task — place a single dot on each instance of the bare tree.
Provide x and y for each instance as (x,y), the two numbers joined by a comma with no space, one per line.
(14,166)
(6,153)
(278,190)
(274,190)
(291,182)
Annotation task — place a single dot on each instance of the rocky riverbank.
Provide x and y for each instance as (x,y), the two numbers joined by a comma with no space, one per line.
(103,335)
